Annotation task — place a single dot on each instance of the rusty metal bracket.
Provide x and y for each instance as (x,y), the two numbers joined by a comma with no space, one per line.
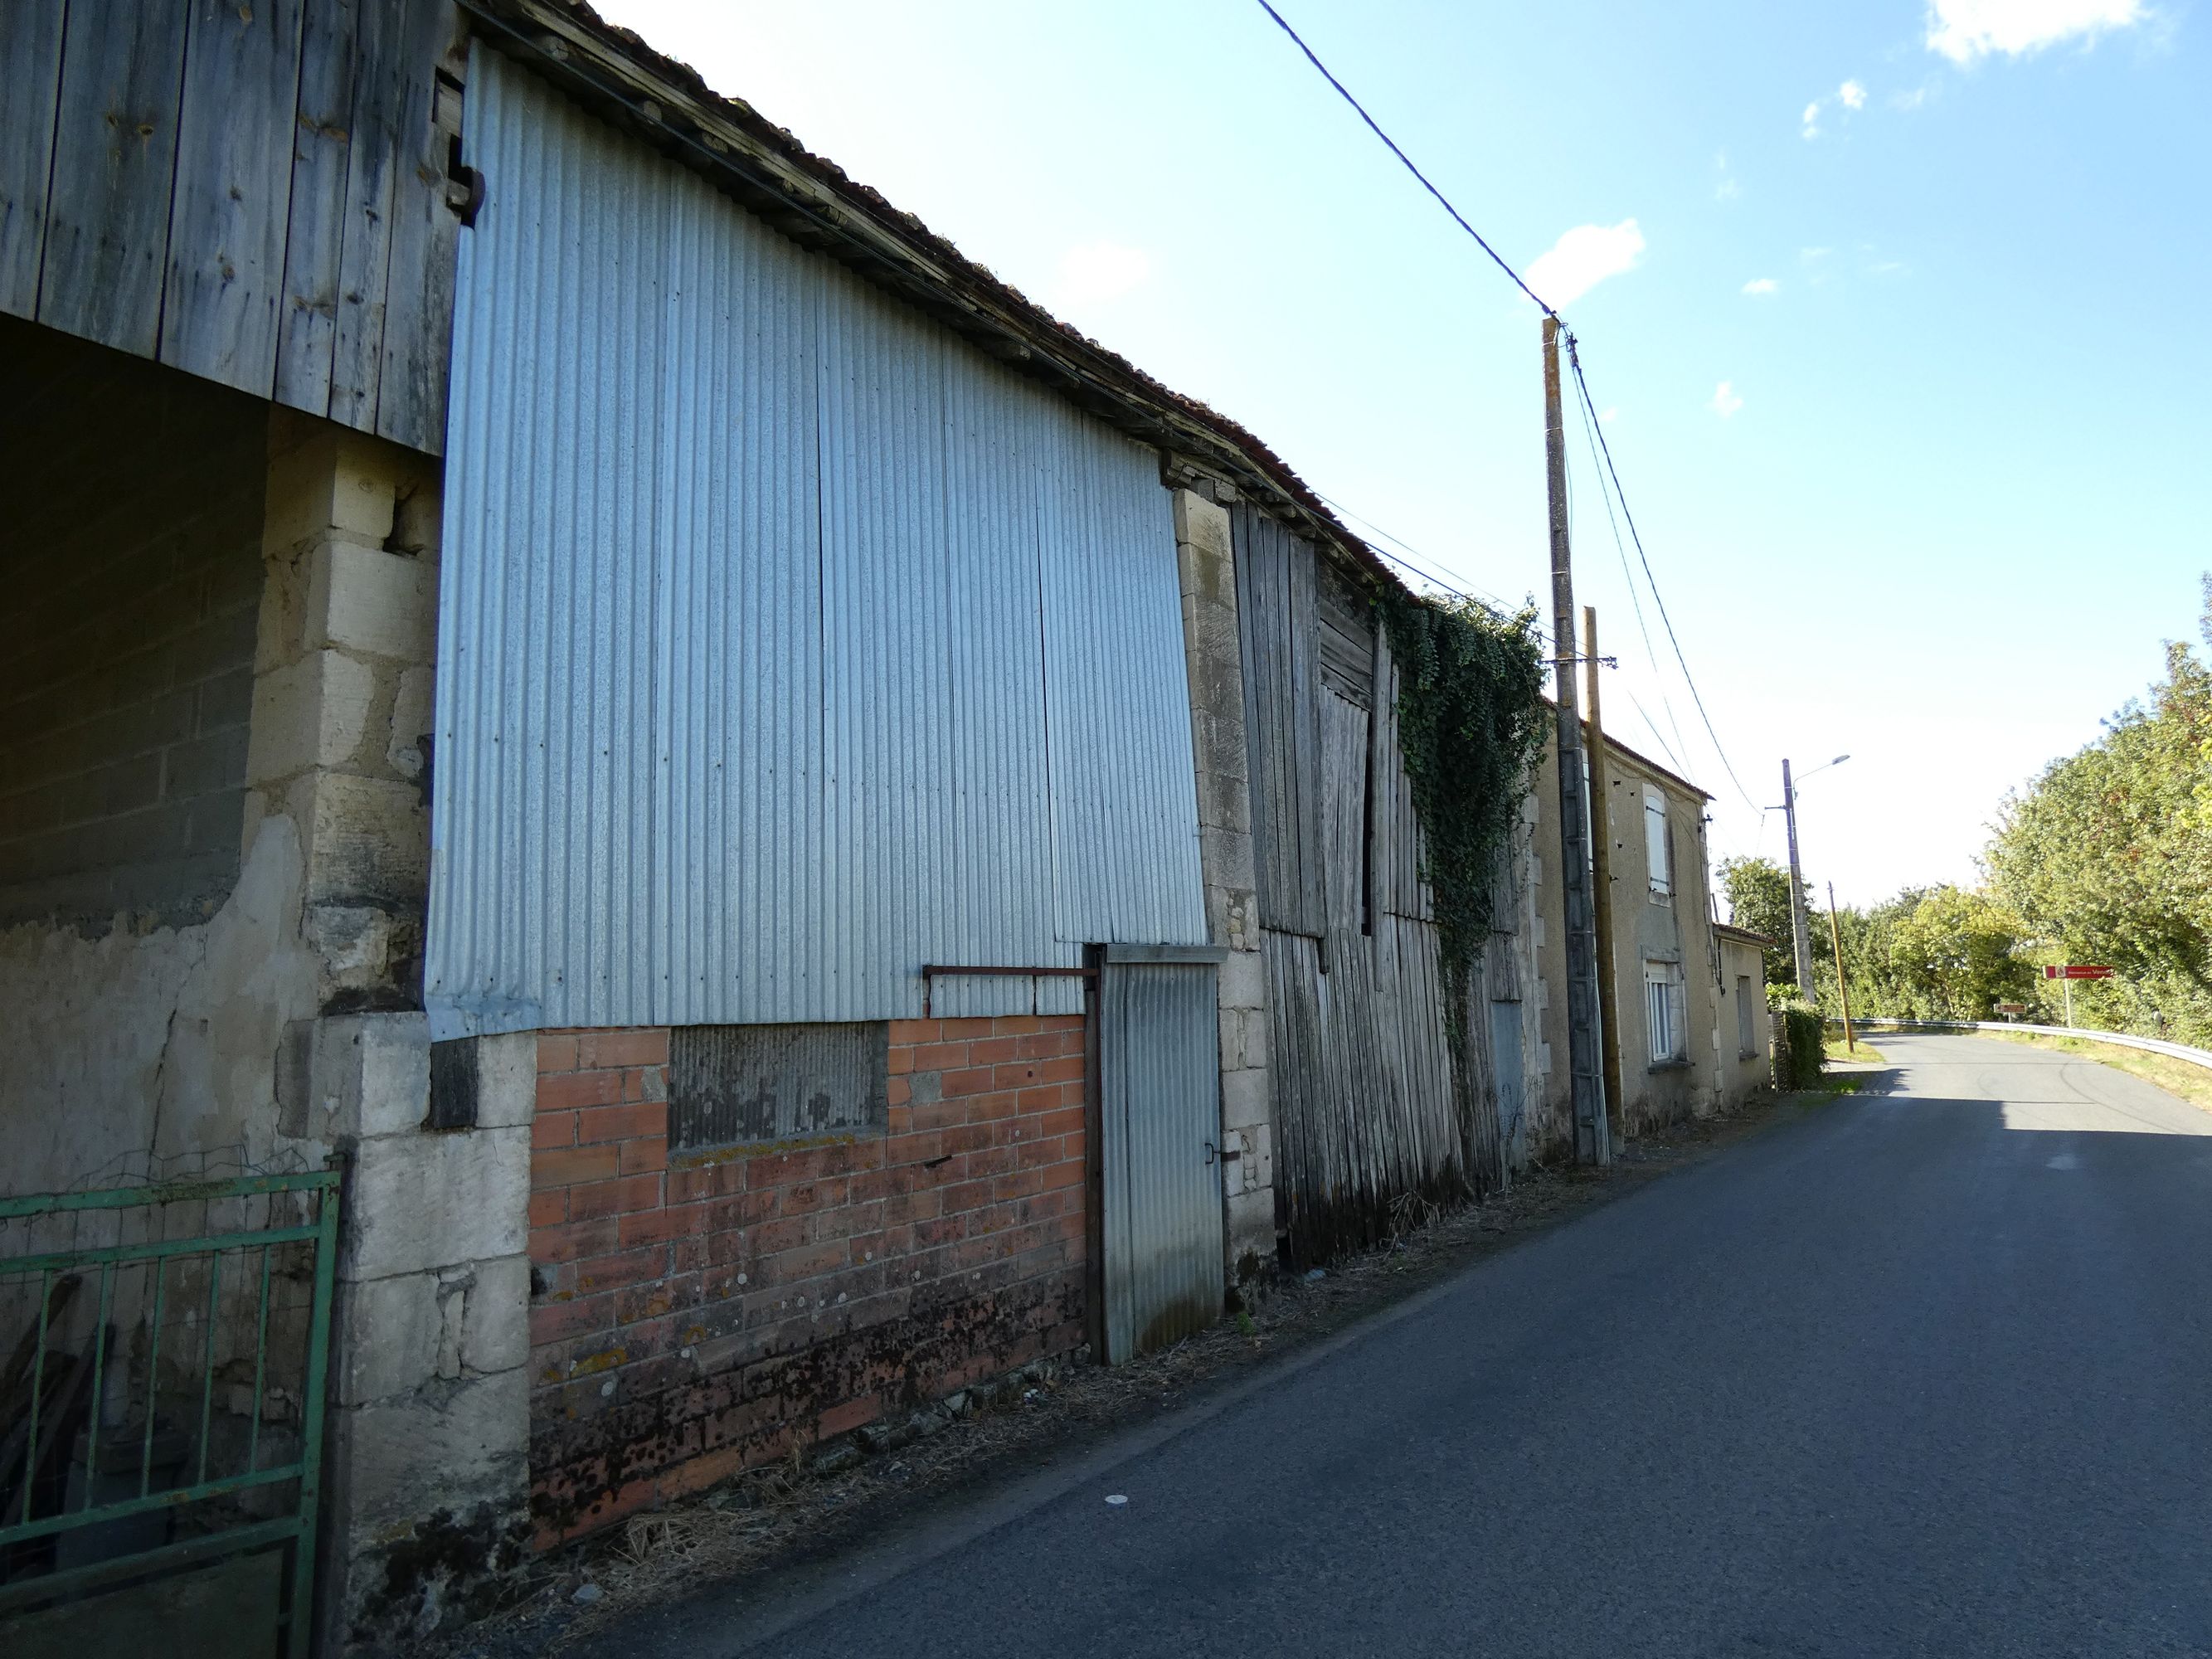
(932,971)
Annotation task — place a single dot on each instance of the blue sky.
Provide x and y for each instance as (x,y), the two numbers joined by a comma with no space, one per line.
(1897,314)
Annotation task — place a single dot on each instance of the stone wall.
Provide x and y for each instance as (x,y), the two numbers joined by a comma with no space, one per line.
(427,1472)
(341,699)
(698,1312)
(1214,664)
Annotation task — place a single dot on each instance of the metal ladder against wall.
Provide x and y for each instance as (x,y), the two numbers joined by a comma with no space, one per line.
(166,1352)
(1159,1074)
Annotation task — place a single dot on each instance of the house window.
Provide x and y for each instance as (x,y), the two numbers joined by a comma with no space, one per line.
(1746,1017)
(1658,845)
(728,1084)
(1663,1011)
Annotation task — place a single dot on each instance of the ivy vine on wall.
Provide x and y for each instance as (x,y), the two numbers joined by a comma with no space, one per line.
(1472,726)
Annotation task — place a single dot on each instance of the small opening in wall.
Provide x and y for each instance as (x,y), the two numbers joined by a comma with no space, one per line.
(734,1085)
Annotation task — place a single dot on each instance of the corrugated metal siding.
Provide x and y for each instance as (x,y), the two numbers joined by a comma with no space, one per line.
(786,643)
(1160,1108)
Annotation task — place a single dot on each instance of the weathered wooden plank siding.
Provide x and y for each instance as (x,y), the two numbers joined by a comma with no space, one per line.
(228,210)
(115,152)
(1372,1119)
(372,168)
(1397,825)
(322,141)
(418,294)
(30,84)
(1275,605)
(1348,639)
(255,195)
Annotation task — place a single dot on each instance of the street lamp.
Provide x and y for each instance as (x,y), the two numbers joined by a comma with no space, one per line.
(1802,947)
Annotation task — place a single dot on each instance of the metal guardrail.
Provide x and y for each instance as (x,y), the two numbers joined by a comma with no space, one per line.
(2151,1045)
(131,1443)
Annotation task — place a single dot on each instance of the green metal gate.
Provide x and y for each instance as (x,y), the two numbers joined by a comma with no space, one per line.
(163,1355)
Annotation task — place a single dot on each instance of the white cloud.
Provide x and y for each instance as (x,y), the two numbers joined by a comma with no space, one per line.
(1963,30)
(1725,402)
(1098,272)
(1909,100)
(1812,120)
(1853,94)
(1762,285)
(1814,255)
(1583,259)
(1607,415)
(1725,189)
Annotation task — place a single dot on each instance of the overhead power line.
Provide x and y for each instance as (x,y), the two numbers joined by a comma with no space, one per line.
(1605,450)
(1428,569)
(1573,357)
(1628,578)
(1442,200)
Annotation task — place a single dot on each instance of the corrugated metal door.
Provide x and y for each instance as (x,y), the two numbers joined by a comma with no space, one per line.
(1160,1119)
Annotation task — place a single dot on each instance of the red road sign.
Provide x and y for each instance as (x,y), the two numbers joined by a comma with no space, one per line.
(2077,970)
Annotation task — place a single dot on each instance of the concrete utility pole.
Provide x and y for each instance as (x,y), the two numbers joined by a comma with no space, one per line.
(1593,1145)
(1601,883)
(1802,946)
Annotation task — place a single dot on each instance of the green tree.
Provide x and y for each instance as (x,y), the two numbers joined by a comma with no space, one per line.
(1959,953)
(2106,857)
(1929,953)
(1758,891)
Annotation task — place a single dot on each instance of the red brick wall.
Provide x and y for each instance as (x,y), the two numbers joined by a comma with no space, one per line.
(696,1313)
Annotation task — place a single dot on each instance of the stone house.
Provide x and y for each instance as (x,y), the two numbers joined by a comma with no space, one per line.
(1694,1034)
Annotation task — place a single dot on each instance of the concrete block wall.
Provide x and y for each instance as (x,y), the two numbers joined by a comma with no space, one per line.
(695,1313)
(1214,665)
(133,573)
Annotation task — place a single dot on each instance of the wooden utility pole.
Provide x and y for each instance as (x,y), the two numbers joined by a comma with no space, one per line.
(1593,1145)
(1801,945)
(1843,990)
(1601,884)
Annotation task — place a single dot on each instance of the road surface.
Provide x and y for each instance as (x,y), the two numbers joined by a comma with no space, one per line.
(1927,1371)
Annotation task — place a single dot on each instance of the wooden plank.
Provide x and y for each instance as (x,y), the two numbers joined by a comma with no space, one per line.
(1303,693)
(1397,824)
(115,152)
(322,146)
(419,293)
(31,71)
(233,191)
(375,101)
(1347,638)
(1343,787)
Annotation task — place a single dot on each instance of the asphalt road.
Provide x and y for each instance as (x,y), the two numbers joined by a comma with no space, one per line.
(1927,1371)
